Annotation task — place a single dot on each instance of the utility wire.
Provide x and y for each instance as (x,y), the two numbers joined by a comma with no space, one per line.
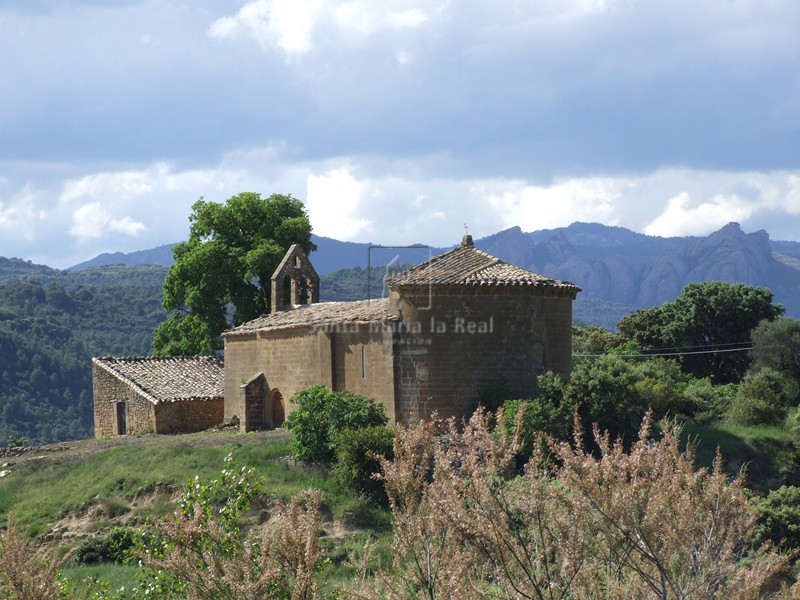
(647,355)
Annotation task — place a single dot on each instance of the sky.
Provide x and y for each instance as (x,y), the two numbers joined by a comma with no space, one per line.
(395,121)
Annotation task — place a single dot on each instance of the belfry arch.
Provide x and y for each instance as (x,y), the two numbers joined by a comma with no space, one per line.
(302,276)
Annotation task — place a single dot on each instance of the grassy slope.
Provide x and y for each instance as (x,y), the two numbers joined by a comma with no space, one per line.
(109,476)
(768,455)
(103,481)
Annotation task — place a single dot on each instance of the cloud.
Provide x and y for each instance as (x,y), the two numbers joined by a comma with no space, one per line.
(289,24)
(332,200)
(681,217)
(93,221)
(20,214)
(535,207)
(112,185)
(70,216)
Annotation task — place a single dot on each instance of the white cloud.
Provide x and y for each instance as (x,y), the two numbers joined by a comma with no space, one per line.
(21,214)
(411,18)
(682,217)
(534,207)
(332,201)
(93,221)
(402,57)
(111,185)
(289,24)
(369,199)
(89,221)
(127,226)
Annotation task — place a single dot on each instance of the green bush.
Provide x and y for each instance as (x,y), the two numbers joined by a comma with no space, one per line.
(762,398)
(706,402)
(605,392)
(322,414)
(538,415)
(358,454)
(779,520)
(116,547)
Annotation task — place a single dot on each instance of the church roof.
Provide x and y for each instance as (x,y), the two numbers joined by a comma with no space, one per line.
(319,315)
(466,265)
(169,378)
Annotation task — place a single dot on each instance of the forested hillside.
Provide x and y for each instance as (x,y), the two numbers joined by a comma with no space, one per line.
(51,324)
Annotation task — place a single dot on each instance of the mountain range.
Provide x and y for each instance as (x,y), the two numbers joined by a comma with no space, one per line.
(53,321)
(615,267)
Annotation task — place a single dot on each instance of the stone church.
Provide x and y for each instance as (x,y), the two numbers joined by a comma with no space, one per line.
(450,329)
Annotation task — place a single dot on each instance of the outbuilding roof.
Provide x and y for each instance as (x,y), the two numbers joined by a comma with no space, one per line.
(319,315)
(169,378)
(466,265)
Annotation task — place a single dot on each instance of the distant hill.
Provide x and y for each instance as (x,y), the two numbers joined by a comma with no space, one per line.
(51,324)
(162,256)
(618,269)
(331,255)
(14,269)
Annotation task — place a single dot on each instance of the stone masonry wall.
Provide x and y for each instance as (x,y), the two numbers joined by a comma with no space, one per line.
(188,416)
(454,344)
(108,391)
(363,362)
(291,360)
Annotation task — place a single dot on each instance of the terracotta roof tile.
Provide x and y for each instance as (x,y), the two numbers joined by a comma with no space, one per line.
(467,265)
(170,378)
(318,315)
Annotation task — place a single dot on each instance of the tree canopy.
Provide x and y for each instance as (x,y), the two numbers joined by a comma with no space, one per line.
(776,344)
(221,276)
(709,324)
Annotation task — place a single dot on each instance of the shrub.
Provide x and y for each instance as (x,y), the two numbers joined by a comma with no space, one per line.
(762,399)
(203,550)
(116,547)
(322,414)
(358,457)
(27,571)
(779,520)
(707,402)
(606,394)
(539,415)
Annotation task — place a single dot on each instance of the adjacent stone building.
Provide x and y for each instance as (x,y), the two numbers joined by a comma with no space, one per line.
(157,394)
(451,328)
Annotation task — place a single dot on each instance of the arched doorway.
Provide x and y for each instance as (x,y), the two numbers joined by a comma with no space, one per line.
(276,408)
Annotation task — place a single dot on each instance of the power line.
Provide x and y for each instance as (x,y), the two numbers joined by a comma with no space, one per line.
(647,355)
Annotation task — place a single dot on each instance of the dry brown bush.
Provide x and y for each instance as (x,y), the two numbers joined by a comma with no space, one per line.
(210,562)
(642,523)
(27,571)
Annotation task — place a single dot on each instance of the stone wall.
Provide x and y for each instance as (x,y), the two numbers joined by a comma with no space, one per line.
(290,359)
(363,362)
(450,346)
(188,416)
(356,357)
(141,415)
(455,342)
(108,393)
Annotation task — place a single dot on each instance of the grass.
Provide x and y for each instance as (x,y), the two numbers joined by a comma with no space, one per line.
(42,491)
(111,480)
(767,454)
(116,576)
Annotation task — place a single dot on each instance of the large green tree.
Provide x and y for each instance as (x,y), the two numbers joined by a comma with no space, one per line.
(776,344)
(708,325)
(221,275)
